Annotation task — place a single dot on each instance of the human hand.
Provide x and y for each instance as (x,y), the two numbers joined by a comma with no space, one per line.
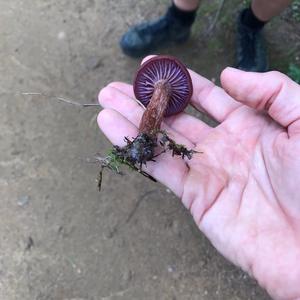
(243,189)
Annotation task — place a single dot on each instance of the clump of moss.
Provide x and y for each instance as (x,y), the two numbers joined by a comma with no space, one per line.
(136,153)
(296,10)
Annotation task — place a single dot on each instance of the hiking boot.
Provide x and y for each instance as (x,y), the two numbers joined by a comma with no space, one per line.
(146,37)
(251,52)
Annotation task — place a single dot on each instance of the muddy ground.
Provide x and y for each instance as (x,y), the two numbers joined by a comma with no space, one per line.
(60,238)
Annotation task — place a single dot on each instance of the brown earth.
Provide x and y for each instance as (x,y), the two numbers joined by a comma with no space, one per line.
(60,237)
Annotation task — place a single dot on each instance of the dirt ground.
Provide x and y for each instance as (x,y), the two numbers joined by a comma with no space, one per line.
(60,238)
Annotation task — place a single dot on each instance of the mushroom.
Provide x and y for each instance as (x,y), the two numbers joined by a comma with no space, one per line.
(164,86)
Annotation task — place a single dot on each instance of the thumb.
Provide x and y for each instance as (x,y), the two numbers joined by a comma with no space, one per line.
(272,91)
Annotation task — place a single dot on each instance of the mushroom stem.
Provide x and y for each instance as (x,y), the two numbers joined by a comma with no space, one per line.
(155,111)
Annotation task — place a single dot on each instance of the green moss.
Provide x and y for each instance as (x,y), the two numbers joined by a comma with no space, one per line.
(294,72)
(296,10)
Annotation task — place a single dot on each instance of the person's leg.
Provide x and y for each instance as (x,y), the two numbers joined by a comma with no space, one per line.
(251,53)
(174,26)
(187,5)
(265,10)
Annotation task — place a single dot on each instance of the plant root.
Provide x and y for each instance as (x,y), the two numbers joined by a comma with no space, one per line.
(138,151)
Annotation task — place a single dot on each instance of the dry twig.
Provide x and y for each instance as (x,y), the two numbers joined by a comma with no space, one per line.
(68,101)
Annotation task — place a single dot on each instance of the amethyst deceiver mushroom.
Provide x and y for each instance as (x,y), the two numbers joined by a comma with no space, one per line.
(164,86)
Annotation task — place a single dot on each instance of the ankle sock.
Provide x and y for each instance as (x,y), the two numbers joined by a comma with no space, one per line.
(186,18)
(249,19)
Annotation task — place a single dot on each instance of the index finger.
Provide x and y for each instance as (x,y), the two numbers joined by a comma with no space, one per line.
(212,99)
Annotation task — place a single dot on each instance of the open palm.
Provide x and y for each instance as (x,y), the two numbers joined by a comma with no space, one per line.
(243,189)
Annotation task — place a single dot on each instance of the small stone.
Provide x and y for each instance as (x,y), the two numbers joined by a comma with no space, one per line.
(127,276)
(170,269)
(15,152)
(110,232)
(29,243)
(23,200)
(93,63)
(61,35)
(176,226)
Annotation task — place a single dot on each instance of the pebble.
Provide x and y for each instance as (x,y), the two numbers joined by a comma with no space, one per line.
(61,35)
(23,200)
(170,269)
(127,276)
(93,63)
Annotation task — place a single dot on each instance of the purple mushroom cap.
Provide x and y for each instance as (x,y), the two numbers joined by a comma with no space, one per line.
(164,68)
